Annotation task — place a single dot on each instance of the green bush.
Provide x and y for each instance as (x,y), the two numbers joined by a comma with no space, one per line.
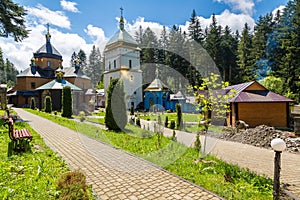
(174,138)
(172,124)
(81,116)
(166,121)
(32,103)
(48,104)
(115,111)
(73,186)
(138,122)
(197,143)
(179,121)
(66,102)
(131,110)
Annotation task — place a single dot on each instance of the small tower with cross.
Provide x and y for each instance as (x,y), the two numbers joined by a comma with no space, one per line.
(122,60)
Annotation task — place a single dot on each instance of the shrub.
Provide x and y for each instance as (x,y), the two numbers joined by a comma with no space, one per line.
(82,116)
(197,143)
(73,186)
(179,121)
(32,103)
(115,111)
(131,110)
(48,104)
(172,124)
(174,138)
(138,122)
(66,102)
(166,121)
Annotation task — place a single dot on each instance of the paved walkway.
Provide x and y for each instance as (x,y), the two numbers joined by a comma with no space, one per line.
(113,173)
(256,159)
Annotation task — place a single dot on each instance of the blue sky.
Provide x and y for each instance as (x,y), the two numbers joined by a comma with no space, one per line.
(81,24)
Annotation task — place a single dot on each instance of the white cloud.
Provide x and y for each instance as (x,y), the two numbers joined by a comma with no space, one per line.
(234,21)
(133,27)
(69,6)
(21,53)
(42,15)
(97,35)
(244,6)
(281,8)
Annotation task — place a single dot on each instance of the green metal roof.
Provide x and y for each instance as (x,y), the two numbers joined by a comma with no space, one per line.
(58,85)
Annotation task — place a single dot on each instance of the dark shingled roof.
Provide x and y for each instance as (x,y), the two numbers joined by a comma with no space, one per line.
(244,95)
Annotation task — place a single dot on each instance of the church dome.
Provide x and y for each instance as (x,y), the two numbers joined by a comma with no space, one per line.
(121,35)
(48,50)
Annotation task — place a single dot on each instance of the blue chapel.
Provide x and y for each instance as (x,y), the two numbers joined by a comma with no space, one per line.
(158,97)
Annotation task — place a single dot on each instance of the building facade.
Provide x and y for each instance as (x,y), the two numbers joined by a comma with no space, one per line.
(122,60)
(45,63)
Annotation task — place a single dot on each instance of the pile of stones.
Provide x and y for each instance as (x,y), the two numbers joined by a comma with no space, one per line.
(261,136)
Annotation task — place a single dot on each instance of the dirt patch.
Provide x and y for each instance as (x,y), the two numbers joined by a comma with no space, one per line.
(261,136)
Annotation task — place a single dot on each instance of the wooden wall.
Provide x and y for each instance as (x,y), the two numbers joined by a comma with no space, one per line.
(271,114)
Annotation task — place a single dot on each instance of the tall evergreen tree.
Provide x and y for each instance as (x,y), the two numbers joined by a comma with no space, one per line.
(67,103)
(283,48)
(83,59)
(195,30)
(262,29)
(115,110)
(212,42)
(244,61)
(12,22)
(94,68)
(73,58)
(228,55)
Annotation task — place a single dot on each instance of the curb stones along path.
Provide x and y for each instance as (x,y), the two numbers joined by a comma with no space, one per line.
(113,174)
(256,159)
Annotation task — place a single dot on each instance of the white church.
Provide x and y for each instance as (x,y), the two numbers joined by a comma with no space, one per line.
(122,60)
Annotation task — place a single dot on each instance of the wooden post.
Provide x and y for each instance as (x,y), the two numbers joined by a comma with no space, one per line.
(276,184)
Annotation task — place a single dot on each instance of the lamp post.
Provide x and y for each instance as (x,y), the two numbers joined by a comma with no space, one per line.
(278,146)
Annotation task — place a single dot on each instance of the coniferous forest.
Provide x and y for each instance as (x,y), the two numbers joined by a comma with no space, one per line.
(268,53)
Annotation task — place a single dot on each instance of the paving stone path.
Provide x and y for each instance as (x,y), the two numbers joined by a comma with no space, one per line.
(256,159)
(113,173)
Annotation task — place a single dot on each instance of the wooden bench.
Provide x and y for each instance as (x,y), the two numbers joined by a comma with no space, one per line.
(19,138)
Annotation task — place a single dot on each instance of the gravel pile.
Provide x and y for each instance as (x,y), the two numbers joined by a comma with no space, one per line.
(261,136)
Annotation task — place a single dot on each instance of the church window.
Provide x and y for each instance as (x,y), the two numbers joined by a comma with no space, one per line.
(130,64)
(32,85)
(48,63)
(109,65)
(115,64)
(131,78)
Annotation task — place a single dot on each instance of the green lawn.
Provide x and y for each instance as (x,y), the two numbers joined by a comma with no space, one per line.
(187,117)
(33,174)
(29,175)
(228,181)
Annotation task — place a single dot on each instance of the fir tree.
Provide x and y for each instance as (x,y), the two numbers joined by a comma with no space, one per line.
(94,68)
(12,22)
(115,110)
(67,102)
(244,61)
